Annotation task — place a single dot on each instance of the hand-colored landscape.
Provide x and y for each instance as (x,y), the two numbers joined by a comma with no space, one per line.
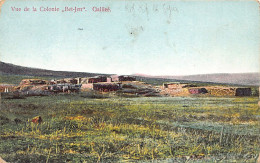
(110,118)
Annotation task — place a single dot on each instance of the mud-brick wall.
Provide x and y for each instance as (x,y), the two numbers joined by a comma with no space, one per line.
(222,91)
(243,92)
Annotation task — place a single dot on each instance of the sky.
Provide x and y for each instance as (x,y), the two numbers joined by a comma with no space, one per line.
(145,37)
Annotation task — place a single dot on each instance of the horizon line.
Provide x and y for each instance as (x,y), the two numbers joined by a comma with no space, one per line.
(133,74)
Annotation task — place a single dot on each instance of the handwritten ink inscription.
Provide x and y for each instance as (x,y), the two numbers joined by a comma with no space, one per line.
(131,7)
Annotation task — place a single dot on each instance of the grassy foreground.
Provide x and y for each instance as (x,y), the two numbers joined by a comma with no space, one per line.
(77,128)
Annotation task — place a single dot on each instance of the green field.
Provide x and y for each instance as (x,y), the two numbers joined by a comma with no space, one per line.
(84,128)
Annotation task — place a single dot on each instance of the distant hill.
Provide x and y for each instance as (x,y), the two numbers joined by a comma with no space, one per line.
(11,69)
(250,79)
(11,73)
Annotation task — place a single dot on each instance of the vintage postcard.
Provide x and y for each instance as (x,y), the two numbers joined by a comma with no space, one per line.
(129,81)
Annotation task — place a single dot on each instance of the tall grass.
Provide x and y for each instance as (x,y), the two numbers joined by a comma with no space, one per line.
(80,128)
